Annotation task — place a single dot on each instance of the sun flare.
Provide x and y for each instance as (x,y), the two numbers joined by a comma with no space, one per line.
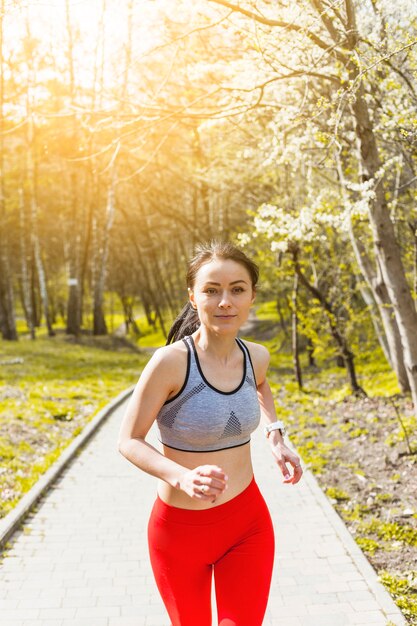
(97,34)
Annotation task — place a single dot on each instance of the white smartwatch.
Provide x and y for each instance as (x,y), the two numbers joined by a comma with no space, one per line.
(275,426)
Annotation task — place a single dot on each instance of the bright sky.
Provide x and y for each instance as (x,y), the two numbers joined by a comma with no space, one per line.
(48,24)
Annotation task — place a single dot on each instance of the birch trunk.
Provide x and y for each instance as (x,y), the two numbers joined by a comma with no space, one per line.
(387,249)
(74,305)
(391,343)
(36,247)
(386,246)
(26,283)
(31,178)
(295,341)
(7,312)
(413,228)
(99,322)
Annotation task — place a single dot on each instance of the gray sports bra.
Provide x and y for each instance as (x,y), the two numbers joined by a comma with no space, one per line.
(201,418)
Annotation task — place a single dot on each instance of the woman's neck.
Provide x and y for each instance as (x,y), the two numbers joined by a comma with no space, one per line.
(219,347)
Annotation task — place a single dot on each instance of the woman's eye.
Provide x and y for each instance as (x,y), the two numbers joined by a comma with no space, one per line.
(210,291)
(238,289)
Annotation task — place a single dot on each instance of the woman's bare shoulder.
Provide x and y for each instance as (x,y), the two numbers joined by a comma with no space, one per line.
(260,357)
(257,351)
(172,352)
(168,360)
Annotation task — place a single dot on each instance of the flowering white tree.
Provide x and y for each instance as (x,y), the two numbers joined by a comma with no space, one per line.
(350,69)
(309,233)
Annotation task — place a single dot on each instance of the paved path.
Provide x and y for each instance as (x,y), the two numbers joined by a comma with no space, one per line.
(81,559)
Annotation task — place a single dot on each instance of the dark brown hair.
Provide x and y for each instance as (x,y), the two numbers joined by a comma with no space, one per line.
(187,321)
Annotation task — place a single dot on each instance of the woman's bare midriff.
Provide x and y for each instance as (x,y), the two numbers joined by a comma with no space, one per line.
(235,462)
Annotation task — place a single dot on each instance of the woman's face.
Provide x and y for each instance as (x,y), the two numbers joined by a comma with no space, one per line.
(222,295)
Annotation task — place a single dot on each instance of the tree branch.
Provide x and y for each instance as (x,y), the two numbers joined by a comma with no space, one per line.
(282,24)
(352,31)
(326,20)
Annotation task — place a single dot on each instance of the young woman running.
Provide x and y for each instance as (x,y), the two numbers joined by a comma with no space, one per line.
(207,392)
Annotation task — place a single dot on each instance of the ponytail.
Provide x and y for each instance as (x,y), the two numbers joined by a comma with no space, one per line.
(186,323)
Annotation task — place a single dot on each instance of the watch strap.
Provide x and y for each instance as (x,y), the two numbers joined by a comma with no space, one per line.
(278,425)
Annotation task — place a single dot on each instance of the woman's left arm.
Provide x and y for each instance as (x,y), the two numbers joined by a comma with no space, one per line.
(281,452)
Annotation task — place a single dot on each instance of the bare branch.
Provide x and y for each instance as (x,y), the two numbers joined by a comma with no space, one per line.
(396,69)
(328,23)
(282,24)
(184,36)
(352,31)
(408,183)
(293,74)
(384,59)
(337,13)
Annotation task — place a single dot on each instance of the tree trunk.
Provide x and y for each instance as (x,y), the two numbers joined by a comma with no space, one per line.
(91,181)
(391,343)
(74,305)
(154,299)
(128,304)
(99,322)
(282,321)
(413,228)
(310,353)
(345,352)
(294,336)
(387,249)
(26,286)
(31,179)
(7,312)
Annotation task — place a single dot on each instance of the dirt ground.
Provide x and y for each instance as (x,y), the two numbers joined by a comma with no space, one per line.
(370,475)
(363,452)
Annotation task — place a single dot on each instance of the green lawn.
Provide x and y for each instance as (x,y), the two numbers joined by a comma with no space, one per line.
(49,390)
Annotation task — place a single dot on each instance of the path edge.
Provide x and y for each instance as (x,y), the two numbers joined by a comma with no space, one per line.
(11,522)
(386,601)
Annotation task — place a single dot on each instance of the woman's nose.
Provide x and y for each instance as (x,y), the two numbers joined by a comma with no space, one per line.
(225,300)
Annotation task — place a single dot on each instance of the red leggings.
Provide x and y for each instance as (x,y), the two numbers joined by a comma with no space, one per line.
(234,540)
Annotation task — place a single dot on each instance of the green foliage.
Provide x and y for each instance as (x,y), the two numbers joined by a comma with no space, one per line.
(396,477)
(383,497)
(353,512)
(337,494)
(150,336)
(266,310)
(389,531)
(370,546)
(410,424)
(315,454)
(403,589)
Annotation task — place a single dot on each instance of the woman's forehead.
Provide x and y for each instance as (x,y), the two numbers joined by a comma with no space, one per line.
(222,270)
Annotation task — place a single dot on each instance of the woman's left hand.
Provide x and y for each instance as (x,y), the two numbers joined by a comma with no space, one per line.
(284,456)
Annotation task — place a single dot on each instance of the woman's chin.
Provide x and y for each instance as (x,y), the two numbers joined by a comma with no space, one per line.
(225,328)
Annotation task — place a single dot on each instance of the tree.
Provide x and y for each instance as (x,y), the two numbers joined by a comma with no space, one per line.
(342,50)
(7,313)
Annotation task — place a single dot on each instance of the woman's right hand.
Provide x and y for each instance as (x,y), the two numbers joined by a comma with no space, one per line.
(205,482)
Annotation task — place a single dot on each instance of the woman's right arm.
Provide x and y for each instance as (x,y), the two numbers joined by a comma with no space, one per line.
(157,381)
(153,388)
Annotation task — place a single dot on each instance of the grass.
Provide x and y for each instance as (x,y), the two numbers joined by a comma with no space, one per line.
(49,390)
(151,337)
